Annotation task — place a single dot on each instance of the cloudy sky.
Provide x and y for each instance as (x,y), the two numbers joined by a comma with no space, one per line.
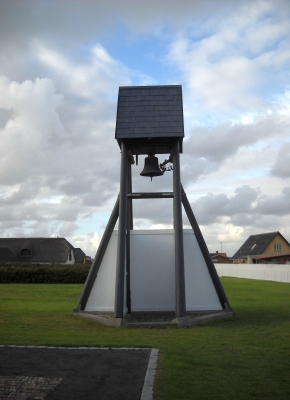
(61,64)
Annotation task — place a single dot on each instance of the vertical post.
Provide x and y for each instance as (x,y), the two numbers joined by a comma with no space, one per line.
(179,252)
(130,201)
(121,249)
(129,227)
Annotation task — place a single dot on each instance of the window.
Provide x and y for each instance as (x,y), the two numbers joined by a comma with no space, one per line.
(253,246)
(25,252)
(277,247)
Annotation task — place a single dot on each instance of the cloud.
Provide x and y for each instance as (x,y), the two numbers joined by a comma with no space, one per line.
(275,205)
(61,145)
(227,70)
(281,168)
(97,77)
(245,208)
(89,242)
(67,228)
(60,69)
(33,125)
(207,148)
(79,22)
(58,143)
(210,208)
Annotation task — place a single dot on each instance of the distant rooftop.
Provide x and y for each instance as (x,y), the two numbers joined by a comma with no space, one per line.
(256,244)
(38,250)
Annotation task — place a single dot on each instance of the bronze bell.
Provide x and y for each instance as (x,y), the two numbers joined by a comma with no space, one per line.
(151,167)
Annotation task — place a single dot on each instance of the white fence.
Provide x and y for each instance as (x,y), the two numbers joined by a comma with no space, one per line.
(267,272)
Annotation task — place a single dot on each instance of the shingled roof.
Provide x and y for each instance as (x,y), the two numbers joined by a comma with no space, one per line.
(35,250)
(149,115)
(256,244)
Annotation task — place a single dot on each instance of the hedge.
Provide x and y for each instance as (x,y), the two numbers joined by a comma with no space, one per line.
(44,273)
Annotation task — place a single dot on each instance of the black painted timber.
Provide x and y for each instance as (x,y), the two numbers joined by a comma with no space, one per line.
(98,258)
(151,195)
(203,247)
(121,248)
(128,242)
(178,235)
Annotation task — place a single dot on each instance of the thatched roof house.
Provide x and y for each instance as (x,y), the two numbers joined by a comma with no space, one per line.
(39,250)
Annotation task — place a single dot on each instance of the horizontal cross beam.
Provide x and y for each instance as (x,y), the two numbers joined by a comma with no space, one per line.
(151,195)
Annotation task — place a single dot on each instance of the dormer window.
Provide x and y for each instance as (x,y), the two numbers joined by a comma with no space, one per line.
(277,247)
(25,252)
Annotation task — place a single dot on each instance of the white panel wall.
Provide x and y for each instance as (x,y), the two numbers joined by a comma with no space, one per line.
(152,271)
(102,297)
(268,272)
(153,274)
(199,289)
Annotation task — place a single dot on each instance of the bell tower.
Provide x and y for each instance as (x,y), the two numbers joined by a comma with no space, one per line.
(150,122)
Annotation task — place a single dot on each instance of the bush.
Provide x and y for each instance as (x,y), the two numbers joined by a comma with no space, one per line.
(43,273)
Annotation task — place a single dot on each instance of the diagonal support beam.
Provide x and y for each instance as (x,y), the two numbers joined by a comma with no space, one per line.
(98,258)
(203,247)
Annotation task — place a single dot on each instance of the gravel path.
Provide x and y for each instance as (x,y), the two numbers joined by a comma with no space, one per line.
(27,387)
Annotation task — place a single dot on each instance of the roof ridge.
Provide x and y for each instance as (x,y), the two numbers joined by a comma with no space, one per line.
(148,86)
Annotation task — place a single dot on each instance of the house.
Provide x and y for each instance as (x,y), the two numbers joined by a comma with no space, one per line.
(220,258)
(270,245)
(80,256)
(39,250)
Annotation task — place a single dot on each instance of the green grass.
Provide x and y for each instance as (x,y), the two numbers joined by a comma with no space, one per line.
(246,357)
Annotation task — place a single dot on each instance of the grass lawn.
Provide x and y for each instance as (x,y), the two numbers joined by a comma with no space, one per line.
(246,357)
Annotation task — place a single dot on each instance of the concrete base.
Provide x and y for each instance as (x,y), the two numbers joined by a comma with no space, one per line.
(107,319)
(204,319)
(189,320)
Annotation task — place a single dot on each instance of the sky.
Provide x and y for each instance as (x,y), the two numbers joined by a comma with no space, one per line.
(61,65)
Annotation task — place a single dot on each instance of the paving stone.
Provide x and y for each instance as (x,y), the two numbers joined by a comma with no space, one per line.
(27,387)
